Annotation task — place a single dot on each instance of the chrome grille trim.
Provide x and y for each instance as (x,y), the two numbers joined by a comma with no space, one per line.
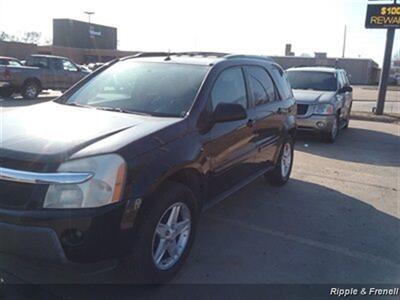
(43,178)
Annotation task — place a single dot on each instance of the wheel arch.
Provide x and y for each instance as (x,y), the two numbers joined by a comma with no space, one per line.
(32,79)
(190,177)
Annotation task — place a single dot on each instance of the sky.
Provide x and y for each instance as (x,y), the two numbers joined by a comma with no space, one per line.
(245,26)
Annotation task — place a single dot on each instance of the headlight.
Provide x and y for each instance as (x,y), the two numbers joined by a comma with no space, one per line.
(323,109)
(105,187)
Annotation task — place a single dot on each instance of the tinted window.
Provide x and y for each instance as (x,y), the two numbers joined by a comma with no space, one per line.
(312,80)
(3,62)
(261,84)
(229,88)
(160,89)
(282,82)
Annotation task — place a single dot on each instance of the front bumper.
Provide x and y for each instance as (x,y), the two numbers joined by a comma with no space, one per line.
(65,236)
(317,123)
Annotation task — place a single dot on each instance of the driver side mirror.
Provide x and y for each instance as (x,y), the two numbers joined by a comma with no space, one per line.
(346,89)
(228,112)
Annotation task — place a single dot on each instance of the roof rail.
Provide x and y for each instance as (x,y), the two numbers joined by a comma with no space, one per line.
(243,56)
(200,53)
(146,54)
(308,66)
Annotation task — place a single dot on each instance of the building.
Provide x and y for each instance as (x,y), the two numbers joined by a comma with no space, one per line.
(77,34)
(17,49)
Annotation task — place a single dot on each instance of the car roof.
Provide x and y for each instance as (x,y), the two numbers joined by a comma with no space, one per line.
(195,58)
(48,56)
(9,58)
(315,69)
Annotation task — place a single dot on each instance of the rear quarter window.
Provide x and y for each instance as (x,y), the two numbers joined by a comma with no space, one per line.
(282,82)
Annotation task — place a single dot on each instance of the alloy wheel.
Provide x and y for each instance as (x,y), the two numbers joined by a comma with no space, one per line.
(286,160)
(31,91)
(171,236)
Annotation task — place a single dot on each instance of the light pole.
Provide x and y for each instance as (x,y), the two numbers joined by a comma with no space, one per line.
(89,14)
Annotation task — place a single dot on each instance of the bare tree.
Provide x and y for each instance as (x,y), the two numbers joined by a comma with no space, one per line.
(8,37)
(31,37)
(27,37)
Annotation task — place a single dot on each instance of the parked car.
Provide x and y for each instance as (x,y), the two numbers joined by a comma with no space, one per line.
(123,163)
(324,99)
(39,72)
(394,79)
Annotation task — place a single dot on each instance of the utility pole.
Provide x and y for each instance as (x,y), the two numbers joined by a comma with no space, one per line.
(344,41)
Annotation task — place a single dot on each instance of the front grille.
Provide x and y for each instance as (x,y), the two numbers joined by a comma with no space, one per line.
(16,195)
(302,109)
(22,165)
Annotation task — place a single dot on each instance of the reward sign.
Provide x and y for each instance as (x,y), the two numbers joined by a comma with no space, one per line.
(383,16)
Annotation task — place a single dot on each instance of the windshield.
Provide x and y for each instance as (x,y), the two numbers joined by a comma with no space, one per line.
(159,89)
(311,80)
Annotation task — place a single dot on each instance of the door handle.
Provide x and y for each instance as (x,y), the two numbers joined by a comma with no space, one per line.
(250,123)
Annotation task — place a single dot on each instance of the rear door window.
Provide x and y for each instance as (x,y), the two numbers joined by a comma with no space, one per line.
(261,85)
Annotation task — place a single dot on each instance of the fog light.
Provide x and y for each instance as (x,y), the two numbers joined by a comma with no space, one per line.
(72,237)
(320,124)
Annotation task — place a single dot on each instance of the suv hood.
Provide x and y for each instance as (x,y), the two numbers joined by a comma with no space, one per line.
(310,96)
(52,132)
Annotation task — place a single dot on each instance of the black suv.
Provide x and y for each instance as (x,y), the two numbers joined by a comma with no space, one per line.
(122,164)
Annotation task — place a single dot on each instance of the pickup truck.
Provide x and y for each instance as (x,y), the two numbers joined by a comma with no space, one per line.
(40,72)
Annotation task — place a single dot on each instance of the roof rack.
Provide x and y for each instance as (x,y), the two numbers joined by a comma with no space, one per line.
(146,54)
(203,54)
(307,66)
(200,53)
(233,56)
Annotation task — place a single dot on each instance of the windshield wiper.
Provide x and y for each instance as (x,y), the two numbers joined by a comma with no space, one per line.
(78,105)
(121,110)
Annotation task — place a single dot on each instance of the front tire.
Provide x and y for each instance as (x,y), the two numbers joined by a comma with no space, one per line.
(30,90)
(165,235)
(331,135)
(280,175)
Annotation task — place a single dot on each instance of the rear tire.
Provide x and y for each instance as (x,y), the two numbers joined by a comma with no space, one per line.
(280,175)
(30,90)
(142,264)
